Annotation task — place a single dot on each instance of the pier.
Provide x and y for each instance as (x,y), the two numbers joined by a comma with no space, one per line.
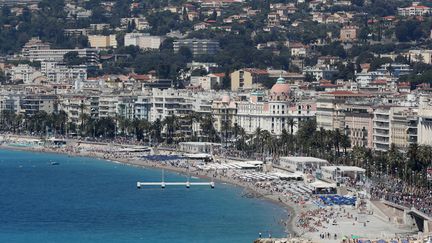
(163,184)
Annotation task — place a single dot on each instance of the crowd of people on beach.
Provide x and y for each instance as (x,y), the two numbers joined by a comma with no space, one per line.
(400,193)
(315,220)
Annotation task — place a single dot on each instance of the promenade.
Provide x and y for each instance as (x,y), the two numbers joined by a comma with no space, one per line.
(306,219)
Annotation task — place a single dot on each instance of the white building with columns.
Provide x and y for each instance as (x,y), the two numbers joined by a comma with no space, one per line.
(273,112)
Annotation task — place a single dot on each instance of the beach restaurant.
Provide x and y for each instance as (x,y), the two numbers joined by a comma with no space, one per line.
(302,164)
(321,187)
(198,147)
(341,173)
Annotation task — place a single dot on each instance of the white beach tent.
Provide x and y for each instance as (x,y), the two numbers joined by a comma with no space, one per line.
(321,186)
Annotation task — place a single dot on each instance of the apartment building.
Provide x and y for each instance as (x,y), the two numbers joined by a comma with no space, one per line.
(424,56)
(208,82)
(403,127)
(180,103)
(102,41)
(142,107)
(32,104)
(358,121)
(330,108)
(381,129)
(349,33)
(247,79)
(11,103)
(75,107)
(224,112)
(36,50)
(394,125)
(425,121)
(414,10)
(58,72)
(321,72)
(24,72)
(140,23)
(108,106)
(197,46)
(143,41)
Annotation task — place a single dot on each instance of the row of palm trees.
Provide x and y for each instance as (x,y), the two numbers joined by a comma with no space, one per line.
(172,129)
(307,141)
(409,165)
(37,123)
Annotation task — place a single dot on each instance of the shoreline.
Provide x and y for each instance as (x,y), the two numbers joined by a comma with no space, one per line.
(291,208)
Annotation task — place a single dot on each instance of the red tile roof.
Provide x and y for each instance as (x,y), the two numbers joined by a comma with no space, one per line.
(221,75)
(256,71)
(346,93)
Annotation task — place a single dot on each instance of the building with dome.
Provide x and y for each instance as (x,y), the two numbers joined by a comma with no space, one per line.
(274,110)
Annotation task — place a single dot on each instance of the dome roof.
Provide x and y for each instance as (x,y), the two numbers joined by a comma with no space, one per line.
(280,90)
(280,80)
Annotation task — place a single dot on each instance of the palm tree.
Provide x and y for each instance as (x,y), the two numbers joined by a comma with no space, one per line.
(337,138)
(226,127)
(257,139)
(240,138)
(345,143)
(304,136)
(291,123)
(208,128)
(266,141)
(171,124)
(82,106)
(235,130)
(156,129)
(192,118)
(19,120)
(285,141)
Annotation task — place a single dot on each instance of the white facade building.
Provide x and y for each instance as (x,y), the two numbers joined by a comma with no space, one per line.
(23,72)
(274,114)
(143,41)
(56,72)
(36,50)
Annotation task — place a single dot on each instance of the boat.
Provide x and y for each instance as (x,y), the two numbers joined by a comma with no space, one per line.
(55,163)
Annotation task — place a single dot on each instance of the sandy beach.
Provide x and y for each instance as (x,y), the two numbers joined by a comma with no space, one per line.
(305,220)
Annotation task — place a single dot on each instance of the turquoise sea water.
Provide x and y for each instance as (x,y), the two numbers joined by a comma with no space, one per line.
(90,200)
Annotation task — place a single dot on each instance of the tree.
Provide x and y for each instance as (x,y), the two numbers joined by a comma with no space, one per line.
(156,129)
(208,128)
(83,117)
(408,30)
(286,141)
(337,138)
(171,124)
(291,124)
(72,58)
(186,53)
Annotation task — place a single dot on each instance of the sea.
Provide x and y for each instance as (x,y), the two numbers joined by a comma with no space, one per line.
(91,200)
